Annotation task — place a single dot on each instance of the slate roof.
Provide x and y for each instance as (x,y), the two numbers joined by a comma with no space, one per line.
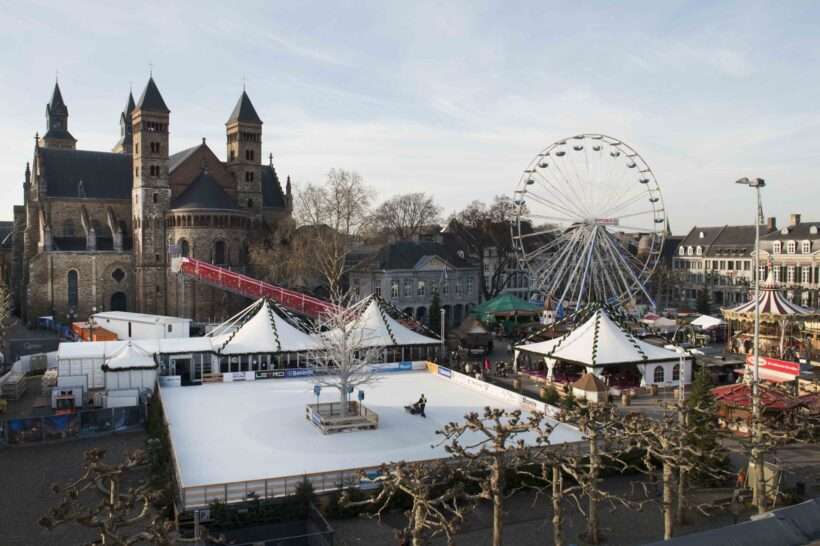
(731,241)
(272,194)
(204,193)
(175,160)
(799,231)
(151,99)
(104,175)
(244,111)
(406,254)
(56,103)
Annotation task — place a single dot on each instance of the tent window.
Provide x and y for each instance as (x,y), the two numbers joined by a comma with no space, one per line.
(675,372)
(659,375)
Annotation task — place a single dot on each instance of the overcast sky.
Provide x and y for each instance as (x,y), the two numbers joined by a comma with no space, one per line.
(449,98)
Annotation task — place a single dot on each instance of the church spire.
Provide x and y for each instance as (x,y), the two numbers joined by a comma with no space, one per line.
(126,127)
(151,99)
(57,135)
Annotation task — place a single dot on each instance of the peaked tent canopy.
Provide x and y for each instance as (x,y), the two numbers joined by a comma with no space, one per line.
(471,326)
(379,329)
(771,304)
(129,357)
(600,341)
(507,305)
(590,382)
(263,328)
(705,322)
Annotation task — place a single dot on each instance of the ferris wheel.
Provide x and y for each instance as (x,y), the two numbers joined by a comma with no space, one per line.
(590,222)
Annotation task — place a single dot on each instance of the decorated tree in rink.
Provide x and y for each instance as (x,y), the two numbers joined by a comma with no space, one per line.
(343,359)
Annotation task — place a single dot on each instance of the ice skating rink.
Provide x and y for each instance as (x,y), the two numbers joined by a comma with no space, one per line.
(231,432)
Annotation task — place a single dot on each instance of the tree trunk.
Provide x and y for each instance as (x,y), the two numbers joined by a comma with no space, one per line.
(592,518)
(680,515)
(418,524)
(759,489)
(557,488)
(343,400)
(667,501)
(497,490)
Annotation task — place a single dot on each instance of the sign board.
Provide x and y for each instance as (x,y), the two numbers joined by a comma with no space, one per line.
(446,372)
(170,381)
(299,372)
(270,374)
(774,369)
(230,377)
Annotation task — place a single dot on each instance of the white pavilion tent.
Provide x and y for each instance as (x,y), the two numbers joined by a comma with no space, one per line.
(375,328)
(706,322)
(130,367)
(599,343)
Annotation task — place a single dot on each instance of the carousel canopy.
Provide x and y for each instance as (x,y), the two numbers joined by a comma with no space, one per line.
(600,341)
(471,326)
(129,357)
(379,329)
(507,305)
(263,328)
(771,303)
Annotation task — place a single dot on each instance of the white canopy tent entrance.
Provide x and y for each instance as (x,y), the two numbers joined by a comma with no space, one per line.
(602,345)
(374,318)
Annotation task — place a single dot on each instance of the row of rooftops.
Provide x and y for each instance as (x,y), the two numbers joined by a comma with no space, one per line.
(738,241)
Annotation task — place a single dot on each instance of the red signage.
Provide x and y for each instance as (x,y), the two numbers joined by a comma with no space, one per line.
(774,369)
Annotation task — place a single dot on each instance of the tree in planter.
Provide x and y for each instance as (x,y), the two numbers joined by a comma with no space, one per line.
(343,358)
(489,445)
(437,500)
(116,501)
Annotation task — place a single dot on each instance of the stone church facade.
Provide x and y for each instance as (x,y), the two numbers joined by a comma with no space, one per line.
(97,230)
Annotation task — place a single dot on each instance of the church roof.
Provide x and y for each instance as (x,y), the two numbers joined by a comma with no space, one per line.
(204,193)
(129,106)
(272,195)
(177,159)
(244,111)
(104,175)
(151,99)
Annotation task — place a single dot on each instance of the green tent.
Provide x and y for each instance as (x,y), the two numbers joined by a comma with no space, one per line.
(506,305)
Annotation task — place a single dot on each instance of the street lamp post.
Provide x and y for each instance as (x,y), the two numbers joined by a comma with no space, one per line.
(758,490)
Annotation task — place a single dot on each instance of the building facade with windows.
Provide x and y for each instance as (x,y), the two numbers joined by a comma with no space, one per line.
(793,254)
(408,273)
(97,229)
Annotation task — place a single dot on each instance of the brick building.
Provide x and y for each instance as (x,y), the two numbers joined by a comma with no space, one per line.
(97,229)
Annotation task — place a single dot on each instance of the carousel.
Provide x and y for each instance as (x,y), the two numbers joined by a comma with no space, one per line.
(781,324)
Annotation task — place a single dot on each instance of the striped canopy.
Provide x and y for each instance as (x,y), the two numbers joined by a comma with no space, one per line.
(771,303)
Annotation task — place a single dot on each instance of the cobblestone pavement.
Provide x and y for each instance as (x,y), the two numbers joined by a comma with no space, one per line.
(25,476)
(528,523)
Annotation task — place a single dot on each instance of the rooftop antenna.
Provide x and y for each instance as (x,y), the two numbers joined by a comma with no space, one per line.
(243,83)
(150,69)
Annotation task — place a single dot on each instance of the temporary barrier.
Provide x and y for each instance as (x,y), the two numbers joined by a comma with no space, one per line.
(32,430)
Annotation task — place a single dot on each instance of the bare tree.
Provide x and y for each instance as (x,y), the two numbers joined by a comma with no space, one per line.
(436,495)
(403,216)
(345,355)
(114,500)
(331,217)
(489,444)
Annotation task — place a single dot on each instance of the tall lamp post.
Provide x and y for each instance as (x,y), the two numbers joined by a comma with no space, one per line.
(758,490)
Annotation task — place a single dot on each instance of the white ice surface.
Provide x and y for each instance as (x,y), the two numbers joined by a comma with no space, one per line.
(228,432)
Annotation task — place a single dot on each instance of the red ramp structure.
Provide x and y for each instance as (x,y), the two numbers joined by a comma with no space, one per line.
(237,283)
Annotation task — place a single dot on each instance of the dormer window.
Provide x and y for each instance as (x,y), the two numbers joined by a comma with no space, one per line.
(682,251)
(805,247)
(777,247)
(689,251)
(699,250)
(701,235)
(813,230)
(791,247)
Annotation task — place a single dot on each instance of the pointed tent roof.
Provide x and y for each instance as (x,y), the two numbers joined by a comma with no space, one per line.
(129,357)
(507,304)
(590,382)
(771,304)
(471,325)
(379,329)
(265,330)
(600,341)
(244,111)
(56,103)
(204,193)
(151,99)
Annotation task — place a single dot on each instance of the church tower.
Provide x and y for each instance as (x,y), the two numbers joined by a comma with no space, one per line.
(150,198)
(126,128)
(57,135)
(244,132)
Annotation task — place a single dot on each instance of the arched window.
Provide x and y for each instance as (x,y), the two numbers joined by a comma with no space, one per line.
(184,248)
(219,253)
(659,376)
(73,279)
(676,372)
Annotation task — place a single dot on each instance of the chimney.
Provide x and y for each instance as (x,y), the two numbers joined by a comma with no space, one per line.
(771,223)
(794,219)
